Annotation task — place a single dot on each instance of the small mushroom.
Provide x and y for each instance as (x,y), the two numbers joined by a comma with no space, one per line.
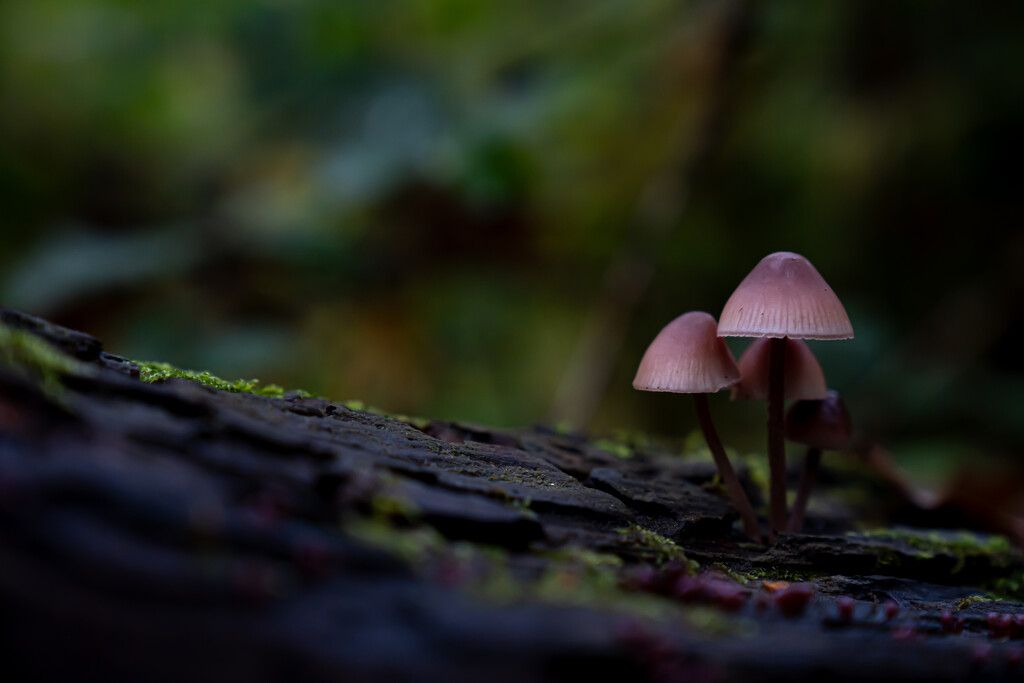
(784,296)
(804,378)
(819,425)
(689,357)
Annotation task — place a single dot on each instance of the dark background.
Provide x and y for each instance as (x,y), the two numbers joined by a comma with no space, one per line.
(423,205)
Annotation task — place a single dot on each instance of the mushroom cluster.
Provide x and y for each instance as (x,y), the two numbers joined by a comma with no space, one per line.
(783,301)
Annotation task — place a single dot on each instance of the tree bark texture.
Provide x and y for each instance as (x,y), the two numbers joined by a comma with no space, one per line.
(173,532)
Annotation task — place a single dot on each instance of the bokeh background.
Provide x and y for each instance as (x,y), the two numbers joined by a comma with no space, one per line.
(485,211)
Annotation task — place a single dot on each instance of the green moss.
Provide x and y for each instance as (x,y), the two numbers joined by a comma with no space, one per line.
(889,557)
(580,577)
(394,507)
(716,486)
(413,544)
(962,545)
(564,428)
(583,557)
(634,440)
(713,622)
(736,576)
(521,504)
(781,574)
(156,372)
(571,575)
(1007,587)
(756,465)
(964,603)
(933,541)
(619,450)
(655,547)
(30,356)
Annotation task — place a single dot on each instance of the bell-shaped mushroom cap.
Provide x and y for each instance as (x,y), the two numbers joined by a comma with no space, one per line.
(687,357)
(803,377)
(823,424)
(784,296)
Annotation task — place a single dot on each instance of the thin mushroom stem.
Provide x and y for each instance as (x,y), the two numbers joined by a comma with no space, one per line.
(776,443)
(803,493)
(732,483)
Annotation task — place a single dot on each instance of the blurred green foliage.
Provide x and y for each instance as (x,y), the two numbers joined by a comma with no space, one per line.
(415,203)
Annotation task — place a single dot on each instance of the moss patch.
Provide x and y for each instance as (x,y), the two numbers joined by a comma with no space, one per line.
(157,372)
(1007,587)
(948,543)
(619,450)
(962,545)
(30,356)
(570,575)
(781,574)
(964,603)
(655,547)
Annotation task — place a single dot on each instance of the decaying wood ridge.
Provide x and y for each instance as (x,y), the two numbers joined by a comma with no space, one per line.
(172,532)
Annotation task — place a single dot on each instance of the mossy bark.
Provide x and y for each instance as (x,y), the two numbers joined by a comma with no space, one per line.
(175,531)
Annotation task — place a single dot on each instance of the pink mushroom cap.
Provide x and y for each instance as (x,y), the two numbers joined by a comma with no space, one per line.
(785,296)
(687,357)
(804,378)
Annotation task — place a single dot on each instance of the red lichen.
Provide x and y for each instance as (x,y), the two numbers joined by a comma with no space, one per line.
(844,607)
(1017,627)
(709,590)
(793,601)
(948,621)
(999,625)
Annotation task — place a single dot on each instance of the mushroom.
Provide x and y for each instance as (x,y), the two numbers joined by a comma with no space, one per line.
(804,379)
(820,425)
(689,357)
(783,297)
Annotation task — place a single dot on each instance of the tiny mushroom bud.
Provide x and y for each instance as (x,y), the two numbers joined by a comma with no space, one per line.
(819,425)
(784,296)
(689,357)
(824,424)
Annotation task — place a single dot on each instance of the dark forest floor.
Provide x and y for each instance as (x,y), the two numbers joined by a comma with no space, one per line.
(172,531)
